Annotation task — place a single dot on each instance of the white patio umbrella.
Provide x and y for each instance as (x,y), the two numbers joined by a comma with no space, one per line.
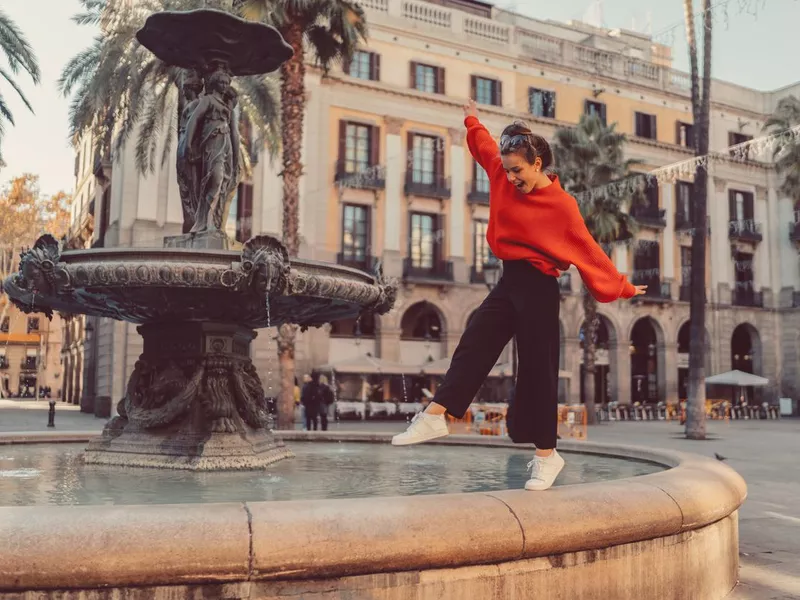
(738,378)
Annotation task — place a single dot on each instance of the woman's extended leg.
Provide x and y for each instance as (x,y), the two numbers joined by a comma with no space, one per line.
(536,300)
(483,340)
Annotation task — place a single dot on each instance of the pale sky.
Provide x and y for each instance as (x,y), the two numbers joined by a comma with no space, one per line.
(757,49)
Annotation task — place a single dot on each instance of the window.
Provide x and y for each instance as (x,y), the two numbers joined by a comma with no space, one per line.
(684,134)
(33,324)
(356,235)
(480,178)
(683,201)
(542,103)
(645,126)
(597,109)
(740,205)
(646,266)
(686,265)
(738,138)
(4,325)
(358,147)
(481,252)
(486,91)
(743,274)
(364,65)
(426,158)
(426,78)
(424,240)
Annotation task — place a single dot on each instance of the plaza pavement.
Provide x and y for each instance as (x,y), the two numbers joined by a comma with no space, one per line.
(765,453)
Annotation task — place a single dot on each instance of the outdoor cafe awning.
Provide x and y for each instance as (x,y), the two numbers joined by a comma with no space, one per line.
(738,378)
(440,366)
(368,365)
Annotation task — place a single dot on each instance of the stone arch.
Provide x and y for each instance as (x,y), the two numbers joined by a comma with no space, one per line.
(746,350)
(605,376)
(611,323)
(647,351)
(421,319)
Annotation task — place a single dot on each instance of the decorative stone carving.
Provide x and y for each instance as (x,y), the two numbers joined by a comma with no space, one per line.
(720,184)
(456,136)
(37,276)
(394,125)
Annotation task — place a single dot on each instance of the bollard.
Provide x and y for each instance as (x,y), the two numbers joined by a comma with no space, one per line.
(51,417)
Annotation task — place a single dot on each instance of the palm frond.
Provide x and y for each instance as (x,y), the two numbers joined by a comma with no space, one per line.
(18,51)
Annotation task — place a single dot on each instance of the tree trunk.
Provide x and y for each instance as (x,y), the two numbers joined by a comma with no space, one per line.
(696,405)
(292,107)
(589,355)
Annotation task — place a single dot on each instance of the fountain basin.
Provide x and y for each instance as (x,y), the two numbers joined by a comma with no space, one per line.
(669,534)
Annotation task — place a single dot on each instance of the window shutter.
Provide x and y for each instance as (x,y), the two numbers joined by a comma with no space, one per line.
(375,66)
(473,87)
(412,81)
(438,245)
(347,65)
(551,108)
(368,225)
(409,156)
(732,205)
(440,80)
(603,113)
(374,145)
(439,158)
(731,138)
(498,93)
(342,146)
(653,130)
(678,127)
(749,213)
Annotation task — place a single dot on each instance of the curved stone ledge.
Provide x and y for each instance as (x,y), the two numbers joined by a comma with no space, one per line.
(338,541)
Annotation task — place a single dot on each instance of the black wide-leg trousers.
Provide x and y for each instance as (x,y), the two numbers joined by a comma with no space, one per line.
(524,303)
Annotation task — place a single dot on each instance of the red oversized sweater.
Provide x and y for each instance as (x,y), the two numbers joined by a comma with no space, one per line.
(543,227)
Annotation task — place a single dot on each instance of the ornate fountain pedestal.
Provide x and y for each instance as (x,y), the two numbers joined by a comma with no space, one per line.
(194,401)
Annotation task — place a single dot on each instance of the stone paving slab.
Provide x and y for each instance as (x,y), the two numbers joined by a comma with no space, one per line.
(765,453)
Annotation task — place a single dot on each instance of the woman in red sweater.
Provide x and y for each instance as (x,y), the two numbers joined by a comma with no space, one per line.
(537,230)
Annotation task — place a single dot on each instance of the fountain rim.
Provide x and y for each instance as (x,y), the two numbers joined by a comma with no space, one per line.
(302,539)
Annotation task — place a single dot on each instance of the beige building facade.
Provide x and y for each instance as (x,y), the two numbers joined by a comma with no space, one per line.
(388,177)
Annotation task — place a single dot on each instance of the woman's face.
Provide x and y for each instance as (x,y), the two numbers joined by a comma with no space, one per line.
(520,172)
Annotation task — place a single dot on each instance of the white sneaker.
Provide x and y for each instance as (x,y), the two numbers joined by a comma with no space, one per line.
(545,469)
(423,428)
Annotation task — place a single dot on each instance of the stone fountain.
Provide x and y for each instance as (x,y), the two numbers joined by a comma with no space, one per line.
(194,400)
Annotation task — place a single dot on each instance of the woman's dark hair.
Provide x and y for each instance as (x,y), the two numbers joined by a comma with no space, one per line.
(517,138)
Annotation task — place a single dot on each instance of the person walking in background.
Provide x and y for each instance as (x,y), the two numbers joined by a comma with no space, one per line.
(310,399)
(537,230)
(326,398)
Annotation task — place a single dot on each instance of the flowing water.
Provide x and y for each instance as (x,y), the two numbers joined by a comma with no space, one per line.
(46,474)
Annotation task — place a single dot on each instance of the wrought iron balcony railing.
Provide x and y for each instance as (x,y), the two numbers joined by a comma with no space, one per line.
(441,270)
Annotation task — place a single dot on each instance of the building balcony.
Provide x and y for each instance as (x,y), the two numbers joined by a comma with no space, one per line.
(434,186)
(683,223)
(565,283)
(657,291)
(650,216)
(514,40)
(476,195)
(368,263)
(28,364)
(685,294)
(476,276)
(745,231)
(440,270)
(746,297)
(362,177)
(794,232)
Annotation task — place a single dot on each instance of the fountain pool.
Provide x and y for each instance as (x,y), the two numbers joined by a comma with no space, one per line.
(55,474)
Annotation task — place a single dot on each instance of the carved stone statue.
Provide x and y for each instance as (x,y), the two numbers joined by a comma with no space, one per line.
(211,143)
(188,183)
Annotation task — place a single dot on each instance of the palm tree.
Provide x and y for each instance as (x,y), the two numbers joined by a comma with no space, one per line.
(330,30)
(787,116)
(19,55)
(119,87)
(589,156)
(696,405)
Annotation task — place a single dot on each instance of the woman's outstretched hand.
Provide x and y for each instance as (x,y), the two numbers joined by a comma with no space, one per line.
(470,109)
(640,289)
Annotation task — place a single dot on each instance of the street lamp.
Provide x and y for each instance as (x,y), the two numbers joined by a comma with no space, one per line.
(492,271)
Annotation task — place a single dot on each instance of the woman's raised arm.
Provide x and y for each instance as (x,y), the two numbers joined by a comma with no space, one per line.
(480,142)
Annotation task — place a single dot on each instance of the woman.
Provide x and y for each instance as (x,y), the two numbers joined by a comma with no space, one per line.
(536,229)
